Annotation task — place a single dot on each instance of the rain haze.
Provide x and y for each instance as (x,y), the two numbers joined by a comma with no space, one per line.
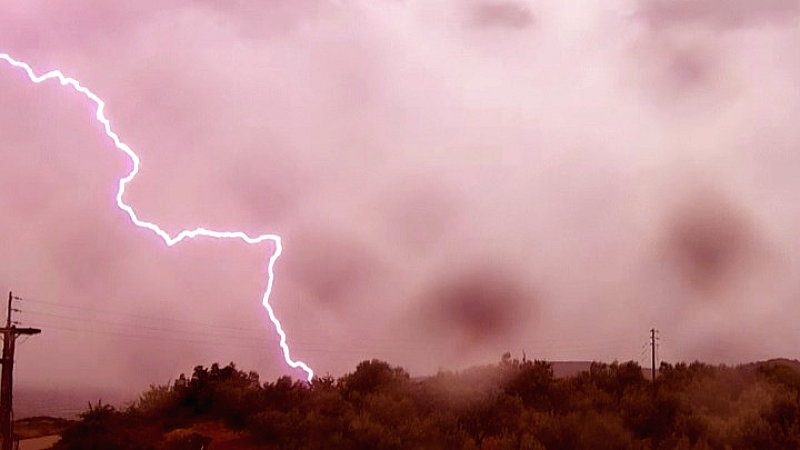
(451,180)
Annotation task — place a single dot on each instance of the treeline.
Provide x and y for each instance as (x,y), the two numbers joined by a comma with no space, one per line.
(509,405)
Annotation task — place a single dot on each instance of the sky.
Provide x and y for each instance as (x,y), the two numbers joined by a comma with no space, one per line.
(452,179)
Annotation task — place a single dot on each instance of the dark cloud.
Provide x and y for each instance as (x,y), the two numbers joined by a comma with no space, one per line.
(253,20)
(711,242)
(686,70)
(417,214)
(393,148)
(480,305)
(721,14)
(331,266)
(502,14)
(678,69)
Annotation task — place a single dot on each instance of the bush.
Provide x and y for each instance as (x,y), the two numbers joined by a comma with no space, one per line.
(510,405)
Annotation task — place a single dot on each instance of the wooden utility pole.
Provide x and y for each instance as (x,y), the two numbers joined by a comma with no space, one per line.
(10,334)
(652,353)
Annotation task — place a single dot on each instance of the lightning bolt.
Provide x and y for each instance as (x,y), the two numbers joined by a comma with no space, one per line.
(185,234)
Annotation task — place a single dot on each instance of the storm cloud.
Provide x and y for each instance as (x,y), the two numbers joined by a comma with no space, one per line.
(451,180)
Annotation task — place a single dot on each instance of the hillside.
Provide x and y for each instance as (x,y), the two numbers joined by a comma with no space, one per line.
(508,405)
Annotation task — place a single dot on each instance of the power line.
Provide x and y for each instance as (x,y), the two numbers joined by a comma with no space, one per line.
(572,345)
(264,339)
(244,337)
(348,349)
(147,337)
(643,352)
(261,342)
(145,317)
(129,325)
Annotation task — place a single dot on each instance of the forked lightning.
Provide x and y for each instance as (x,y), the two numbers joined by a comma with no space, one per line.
(169,240)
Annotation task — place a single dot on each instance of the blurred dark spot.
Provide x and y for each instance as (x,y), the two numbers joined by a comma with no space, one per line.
(328,265)
(505,14)
(675,71)
(719,14)
(710,242)
(268,192)
(87,257)
(418,214)
(687,70)
(254,21)
(481,304)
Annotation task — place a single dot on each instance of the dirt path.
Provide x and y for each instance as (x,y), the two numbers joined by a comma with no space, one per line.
(39,443)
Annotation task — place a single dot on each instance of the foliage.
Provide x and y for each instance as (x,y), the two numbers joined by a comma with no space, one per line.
(509,405)
(104,428)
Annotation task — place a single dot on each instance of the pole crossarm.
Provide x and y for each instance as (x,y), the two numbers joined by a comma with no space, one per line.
(15,330)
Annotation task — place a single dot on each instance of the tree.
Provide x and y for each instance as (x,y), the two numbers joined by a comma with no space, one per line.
(371,376)
(531,382)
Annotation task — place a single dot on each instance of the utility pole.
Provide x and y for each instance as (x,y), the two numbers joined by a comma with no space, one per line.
(652,353)
(10,334)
